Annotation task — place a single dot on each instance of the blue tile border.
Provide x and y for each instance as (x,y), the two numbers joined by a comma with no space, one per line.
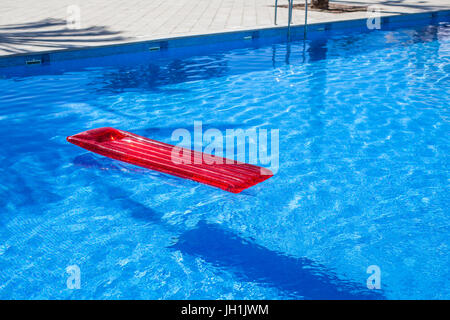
(273,33)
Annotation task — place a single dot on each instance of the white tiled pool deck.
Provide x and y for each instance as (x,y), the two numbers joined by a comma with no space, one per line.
(30,26)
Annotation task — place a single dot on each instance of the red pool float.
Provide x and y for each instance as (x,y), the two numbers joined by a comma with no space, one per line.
(226,174)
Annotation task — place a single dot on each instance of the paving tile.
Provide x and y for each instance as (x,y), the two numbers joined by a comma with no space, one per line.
(28,26)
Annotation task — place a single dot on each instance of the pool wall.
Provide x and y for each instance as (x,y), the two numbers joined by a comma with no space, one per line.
(273,35)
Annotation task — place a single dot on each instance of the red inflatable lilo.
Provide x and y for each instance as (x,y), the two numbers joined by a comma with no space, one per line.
(226,174)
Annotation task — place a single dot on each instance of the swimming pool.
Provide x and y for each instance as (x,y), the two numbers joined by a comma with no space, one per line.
(363,180)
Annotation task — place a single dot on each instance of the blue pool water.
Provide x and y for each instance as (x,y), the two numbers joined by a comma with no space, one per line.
(363,177)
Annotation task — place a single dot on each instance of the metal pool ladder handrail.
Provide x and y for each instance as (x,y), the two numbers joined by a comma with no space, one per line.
(291,5)
(305,27)
(276,9)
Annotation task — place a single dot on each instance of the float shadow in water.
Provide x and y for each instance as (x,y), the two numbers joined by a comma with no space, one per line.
(299,278)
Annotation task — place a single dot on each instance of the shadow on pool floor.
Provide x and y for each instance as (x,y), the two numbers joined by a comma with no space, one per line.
(297,278)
